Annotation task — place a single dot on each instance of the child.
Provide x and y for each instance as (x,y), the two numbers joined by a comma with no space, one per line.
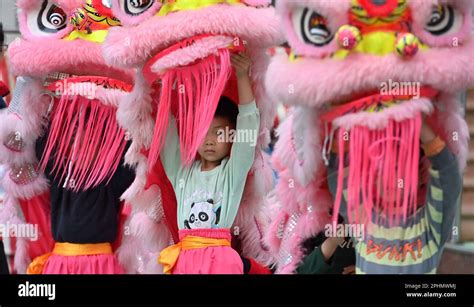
(210,190)
(413,246)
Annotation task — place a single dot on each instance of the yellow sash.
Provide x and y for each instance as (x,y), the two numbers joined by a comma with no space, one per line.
(68,249)
(169,256)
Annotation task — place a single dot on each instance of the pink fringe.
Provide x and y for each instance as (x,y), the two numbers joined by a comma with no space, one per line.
(379,160)
(199,90)
(84,132)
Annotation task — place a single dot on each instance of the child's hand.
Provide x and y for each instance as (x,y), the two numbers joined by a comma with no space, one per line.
(241,62)
(427,134)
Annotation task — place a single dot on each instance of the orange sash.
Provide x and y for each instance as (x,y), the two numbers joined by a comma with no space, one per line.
(169,256)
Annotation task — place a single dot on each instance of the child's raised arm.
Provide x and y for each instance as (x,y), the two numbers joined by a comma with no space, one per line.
(248,120)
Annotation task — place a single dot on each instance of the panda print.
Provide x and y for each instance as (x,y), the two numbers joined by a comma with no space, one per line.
(203,215)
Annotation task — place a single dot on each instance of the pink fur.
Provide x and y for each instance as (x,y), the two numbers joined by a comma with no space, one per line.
(21,259)
(437,68)
(106,96)
(300,185)
(450,119)
(28,124)
(28,58)
(148,199)
(140,248)
(257,3)
(277,217)
(142,226)
(309,225)
(134,113)
(251,219)
(140,164)
(7,122)
(258,26)
(299,149)
(199,50)
(9,210)
(28,191)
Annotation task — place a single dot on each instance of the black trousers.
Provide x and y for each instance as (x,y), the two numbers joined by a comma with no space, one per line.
(3,260)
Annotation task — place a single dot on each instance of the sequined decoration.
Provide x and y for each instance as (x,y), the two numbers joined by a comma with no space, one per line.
(14,142)
(24,174)
(285,256)
(281,229)
(156,212)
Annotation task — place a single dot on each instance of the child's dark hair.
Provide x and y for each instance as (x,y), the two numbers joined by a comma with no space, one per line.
(227,109)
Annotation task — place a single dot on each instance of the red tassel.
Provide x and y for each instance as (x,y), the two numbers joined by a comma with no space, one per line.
(199,88)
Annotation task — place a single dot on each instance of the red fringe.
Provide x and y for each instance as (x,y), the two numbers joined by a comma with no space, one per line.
(85,144)
(380,160)
(199,88)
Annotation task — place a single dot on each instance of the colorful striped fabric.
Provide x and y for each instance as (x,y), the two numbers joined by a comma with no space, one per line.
(413,246)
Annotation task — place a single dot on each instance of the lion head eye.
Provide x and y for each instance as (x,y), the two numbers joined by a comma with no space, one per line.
(444,19)
(312,27)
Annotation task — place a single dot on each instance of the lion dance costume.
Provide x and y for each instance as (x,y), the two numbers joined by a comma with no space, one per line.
(61,141)
(172,43)
(361,76)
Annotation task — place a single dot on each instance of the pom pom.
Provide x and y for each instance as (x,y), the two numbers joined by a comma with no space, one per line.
(348,37)
(407,45)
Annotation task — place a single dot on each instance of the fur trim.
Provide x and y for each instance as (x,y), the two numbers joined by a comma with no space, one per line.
(437,68)
(21,259)
(29,58)
(28,191)
(135,113)
(141,171)
(199,50)
(251,220)
(140,248)
(451,125)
